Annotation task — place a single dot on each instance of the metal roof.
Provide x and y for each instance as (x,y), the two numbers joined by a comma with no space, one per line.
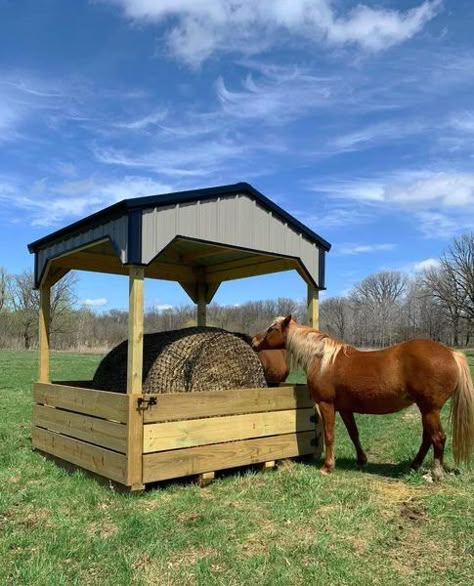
(204,235)
(178,197)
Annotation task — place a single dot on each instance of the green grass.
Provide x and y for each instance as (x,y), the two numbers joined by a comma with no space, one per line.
(383,525)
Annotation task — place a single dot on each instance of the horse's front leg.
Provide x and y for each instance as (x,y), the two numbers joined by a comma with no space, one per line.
(351,426)
(328,415)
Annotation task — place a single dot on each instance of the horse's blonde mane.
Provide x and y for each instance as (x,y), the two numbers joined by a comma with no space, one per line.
(304,344)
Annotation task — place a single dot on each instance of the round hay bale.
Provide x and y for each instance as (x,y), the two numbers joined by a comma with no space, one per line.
(188,360)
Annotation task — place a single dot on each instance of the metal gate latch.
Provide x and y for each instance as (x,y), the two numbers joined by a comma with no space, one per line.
(145,403)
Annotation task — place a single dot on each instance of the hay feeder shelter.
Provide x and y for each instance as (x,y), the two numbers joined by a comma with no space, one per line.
(198,238)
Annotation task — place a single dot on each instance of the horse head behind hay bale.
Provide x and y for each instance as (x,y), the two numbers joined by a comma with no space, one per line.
(189,360)
(274,361)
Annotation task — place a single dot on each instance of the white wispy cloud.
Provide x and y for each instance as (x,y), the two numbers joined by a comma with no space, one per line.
(462,121)
(52,203)
(162,307)
(353,249)
(151,119)
(369,135)
(277,96)
(198,158)
(99,302)
(408,188)
(329,217)
(423,265)
(441,202)
(9,116)
(201,28)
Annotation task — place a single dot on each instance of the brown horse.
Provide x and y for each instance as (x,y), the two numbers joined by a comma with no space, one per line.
(273,361)
(342,378)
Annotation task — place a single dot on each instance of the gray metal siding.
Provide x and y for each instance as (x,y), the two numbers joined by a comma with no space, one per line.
(234,220)
(116,230)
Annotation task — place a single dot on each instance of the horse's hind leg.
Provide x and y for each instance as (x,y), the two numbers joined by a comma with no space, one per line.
(434,431)
(351,426)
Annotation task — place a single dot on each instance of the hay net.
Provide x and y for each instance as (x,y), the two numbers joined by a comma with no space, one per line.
(188,360)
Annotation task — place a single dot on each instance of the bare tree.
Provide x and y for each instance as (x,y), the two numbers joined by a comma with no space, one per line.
(380,293)
(335,316)
(459,263)
(26,301)
(441,285)
(4,287)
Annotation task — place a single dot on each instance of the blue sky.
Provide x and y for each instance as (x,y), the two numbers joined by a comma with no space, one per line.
(356,118)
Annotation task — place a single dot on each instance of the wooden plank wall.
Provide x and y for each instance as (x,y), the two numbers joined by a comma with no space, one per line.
(172,407)
(186,434)
(83,426)
(183,434)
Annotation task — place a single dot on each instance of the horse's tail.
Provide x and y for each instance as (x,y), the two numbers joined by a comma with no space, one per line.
(462,412)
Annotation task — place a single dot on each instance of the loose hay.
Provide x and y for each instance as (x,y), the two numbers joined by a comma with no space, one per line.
(188,360)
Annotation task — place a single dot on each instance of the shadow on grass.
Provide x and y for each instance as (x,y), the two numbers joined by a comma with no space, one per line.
(385,470)
(378,469)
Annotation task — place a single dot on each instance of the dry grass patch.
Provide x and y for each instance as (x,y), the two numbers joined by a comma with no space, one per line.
(178,569)
(411,553)
(393,492)
(258,543)
(104,529)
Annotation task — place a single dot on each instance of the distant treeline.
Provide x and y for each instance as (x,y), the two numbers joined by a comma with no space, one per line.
(384,308)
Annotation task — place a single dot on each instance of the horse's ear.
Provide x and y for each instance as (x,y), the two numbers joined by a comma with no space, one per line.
(286,321)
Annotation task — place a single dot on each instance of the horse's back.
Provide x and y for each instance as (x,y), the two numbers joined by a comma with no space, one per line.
(384,381)
(429,368)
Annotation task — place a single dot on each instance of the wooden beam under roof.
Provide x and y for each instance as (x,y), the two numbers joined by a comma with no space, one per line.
(105,263)
(250,270)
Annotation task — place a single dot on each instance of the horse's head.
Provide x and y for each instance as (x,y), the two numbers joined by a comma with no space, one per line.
(274,336)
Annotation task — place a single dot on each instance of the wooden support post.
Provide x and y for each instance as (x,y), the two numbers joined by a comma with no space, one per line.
(201,303)
(43,332)
(135,330)
(313,307)
(134,379)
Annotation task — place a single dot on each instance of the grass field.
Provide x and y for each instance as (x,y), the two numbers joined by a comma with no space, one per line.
(383,525)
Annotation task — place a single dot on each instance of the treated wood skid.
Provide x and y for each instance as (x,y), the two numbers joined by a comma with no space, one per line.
(181,435)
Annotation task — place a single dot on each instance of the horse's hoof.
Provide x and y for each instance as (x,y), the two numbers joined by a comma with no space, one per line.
(437,474)
(428,477)
(325,470)
(361,462)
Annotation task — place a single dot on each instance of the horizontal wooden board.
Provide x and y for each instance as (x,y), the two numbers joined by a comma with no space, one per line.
(90,429)
(85,384)
(113,406)
(98,460)
(158,437)
(175,406)
(189,461)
